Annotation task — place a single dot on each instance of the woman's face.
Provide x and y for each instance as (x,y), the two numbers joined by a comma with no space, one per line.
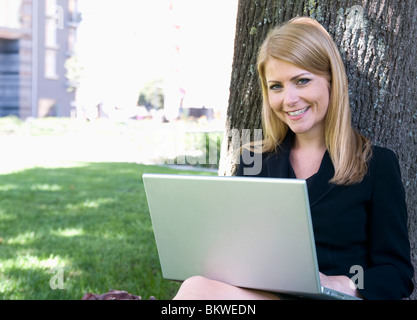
(298,97)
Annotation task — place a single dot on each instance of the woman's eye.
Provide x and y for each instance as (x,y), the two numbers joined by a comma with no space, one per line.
(275,87)
(303,81)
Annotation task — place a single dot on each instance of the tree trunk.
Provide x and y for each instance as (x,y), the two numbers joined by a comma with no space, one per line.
(377,42)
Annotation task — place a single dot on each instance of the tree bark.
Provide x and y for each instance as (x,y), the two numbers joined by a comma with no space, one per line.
(377,43)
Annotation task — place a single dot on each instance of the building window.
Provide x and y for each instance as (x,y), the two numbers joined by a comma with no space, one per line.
(10,13)
(54,13)
(50,33)
(51,64)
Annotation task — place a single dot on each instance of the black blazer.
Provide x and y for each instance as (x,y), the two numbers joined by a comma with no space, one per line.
(357,227)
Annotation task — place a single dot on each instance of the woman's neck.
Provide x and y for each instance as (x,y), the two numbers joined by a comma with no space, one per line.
(309,143)
(306,155)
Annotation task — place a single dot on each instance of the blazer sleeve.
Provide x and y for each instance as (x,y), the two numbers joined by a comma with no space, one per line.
(390,271)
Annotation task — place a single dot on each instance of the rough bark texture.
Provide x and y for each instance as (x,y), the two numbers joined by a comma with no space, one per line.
(377,41)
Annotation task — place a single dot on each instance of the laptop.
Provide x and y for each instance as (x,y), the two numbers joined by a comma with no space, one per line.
(245,231)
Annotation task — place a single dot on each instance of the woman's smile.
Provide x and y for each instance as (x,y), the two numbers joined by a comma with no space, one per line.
(295,115)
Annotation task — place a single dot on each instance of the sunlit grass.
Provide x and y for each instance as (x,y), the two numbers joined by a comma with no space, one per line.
(90,221)
(61,208)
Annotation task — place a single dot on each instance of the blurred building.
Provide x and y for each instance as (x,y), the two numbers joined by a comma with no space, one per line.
(37,39)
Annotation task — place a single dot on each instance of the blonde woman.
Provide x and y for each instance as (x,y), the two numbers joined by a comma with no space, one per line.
(356,195)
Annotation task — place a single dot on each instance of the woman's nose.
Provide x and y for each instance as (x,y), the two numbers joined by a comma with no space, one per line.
(291,97)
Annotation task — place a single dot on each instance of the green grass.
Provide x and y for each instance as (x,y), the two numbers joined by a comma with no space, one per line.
(86,227)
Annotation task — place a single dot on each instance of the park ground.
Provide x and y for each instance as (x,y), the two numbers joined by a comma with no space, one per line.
(73,211)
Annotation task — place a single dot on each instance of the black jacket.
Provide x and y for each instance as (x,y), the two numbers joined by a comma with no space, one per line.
(359,225)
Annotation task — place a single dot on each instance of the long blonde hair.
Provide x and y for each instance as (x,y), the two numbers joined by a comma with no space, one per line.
(306,44)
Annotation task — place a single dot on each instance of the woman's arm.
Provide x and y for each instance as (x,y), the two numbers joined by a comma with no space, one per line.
(389,273)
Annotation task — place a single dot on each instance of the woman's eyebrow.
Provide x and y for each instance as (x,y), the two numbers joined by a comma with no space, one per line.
(300,75)
(293,78)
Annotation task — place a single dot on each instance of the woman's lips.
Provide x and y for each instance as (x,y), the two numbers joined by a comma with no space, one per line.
(298,113)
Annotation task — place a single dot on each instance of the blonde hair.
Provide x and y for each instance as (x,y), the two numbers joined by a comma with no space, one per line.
(306,44)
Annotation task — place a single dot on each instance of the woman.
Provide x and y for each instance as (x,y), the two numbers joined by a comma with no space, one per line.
(356,195)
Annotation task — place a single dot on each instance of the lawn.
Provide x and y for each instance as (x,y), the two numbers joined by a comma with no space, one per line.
(82,228)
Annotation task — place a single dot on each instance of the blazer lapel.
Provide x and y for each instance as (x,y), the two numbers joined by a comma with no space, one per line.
(319,185)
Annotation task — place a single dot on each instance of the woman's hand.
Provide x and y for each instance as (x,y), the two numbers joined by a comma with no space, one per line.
(339,283)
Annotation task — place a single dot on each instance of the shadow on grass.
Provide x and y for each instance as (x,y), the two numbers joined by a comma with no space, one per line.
(68,231)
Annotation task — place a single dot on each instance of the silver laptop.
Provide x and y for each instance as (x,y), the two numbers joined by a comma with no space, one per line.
(248,232)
